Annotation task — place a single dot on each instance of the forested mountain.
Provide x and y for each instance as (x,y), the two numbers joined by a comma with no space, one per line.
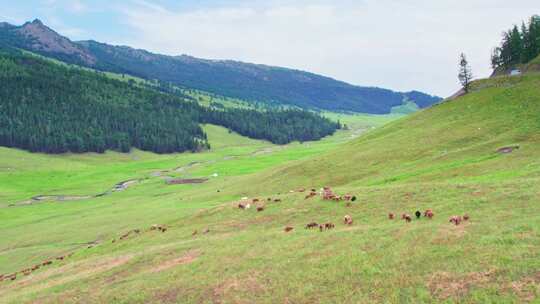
(228,78)
(53,108)
(519,45)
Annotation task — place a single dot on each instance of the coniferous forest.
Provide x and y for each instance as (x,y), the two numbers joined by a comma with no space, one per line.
(519,45)
(52,108)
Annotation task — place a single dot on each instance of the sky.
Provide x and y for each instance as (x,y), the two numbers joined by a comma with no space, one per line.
(397,44)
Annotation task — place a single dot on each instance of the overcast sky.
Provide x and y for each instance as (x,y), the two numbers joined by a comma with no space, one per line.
(397,44)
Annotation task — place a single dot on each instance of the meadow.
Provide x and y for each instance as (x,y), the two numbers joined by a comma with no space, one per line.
(444,158)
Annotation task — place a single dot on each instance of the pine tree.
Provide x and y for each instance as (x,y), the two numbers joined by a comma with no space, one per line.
(465,74)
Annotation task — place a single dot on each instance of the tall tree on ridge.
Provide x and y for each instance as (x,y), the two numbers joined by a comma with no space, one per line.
(465,74)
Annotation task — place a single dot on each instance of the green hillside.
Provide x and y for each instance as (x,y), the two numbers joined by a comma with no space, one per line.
(254,83)
(444,158)
(55,108)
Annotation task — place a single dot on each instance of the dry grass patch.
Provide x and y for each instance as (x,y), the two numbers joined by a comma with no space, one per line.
(233,290)
(444,285)
(187,258)
(528,288)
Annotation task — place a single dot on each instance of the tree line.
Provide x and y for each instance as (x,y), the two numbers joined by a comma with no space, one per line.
(51,108)
(519,45)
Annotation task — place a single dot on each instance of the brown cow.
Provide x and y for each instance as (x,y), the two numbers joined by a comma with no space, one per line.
(288,229)
(406,217)
(277,200)
(329,226)
(456,219)
(310,195)
(347,220)
(60,258)
(311,225)
(241,206)
(260,208)
(391,216)
(46,263)
(429,214)
(466,217)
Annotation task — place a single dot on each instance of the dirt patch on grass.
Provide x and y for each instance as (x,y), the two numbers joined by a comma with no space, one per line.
(449,232)
(527,288)
(187,258)
(234,290)
(445,285)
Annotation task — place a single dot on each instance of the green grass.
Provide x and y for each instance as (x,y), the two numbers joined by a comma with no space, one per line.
(443,158)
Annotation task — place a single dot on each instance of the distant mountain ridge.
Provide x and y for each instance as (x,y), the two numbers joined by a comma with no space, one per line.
(246,81)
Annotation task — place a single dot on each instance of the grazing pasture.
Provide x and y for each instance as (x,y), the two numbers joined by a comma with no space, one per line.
(443,162)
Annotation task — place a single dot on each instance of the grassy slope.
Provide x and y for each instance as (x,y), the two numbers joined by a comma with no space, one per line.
(441,158)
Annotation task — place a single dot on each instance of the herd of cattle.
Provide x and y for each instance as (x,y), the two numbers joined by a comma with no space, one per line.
(327,194)
(28,271)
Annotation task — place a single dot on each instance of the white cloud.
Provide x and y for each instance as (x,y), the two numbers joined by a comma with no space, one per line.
(403,45)
(77,7)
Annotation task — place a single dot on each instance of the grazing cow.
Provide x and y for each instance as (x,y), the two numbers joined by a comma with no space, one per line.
(456,220)
(255,200)
(466,217)
(418,214)
(353,198)
(36,267)
(347,220)
(311,225)
(429,214)
(288,229)
(60,258)
(329,226)
(310,195)
(26,272)
(157,227)
(406,217)
(260,208)
(46,263)
(391,216)
(241,206)
(313,190)
(277,200)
